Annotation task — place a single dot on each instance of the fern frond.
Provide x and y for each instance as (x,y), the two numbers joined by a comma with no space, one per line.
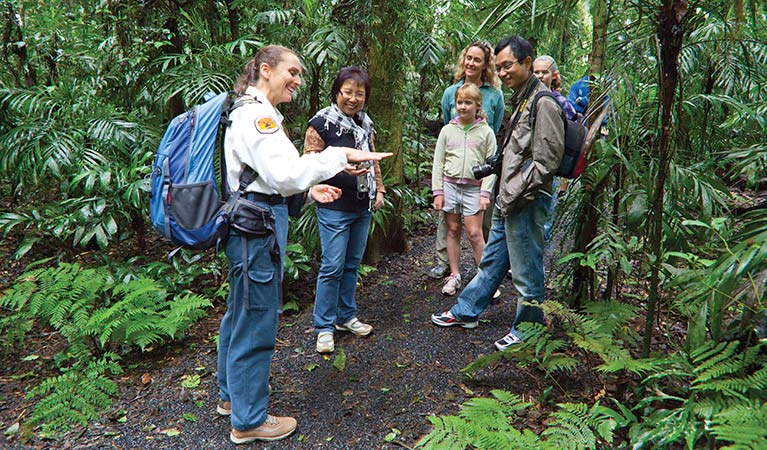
(447,433)
(744,426)
(639,367)
(77,396)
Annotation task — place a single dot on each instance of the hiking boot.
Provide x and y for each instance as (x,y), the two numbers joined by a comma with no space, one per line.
(446,319)
(224,408)
(507,341)
(325,342)
(355,326)
(273,428)
(452,284)
(439,271)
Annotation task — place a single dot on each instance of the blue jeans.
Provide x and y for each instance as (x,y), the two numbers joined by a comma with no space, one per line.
(515,242)
(343,236)
(248,329)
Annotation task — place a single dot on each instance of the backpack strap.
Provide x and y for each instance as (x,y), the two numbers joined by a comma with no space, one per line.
(232,102)
(534,108)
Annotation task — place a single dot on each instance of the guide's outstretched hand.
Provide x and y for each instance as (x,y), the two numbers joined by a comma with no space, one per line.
(353,155)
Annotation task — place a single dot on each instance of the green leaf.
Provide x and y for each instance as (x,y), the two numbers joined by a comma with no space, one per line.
(189,417)
(190,381)
(339,361)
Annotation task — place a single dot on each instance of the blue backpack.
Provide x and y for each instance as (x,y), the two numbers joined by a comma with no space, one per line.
(186,204)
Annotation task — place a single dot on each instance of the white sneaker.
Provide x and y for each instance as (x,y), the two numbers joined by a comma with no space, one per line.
(325,342)
(355,326)
(452,284)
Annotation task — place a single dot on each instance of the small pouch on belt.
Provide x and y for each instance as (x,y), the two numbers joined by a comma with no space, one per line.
(251,219)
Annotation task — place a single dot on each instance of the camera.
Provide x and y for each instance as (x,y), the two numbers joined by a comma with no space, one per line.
(362,180)
(491,166)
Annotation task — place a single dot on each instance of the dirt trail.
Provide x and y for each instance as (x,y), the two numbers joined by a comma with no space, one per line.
(390,381)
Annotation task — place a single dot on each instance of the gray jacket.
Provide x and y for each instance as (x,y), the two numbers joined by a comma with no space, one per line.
(530,162)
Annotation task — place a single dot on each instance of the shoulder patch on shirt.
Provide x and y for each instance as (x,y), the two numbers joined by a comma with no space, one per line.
(266,125)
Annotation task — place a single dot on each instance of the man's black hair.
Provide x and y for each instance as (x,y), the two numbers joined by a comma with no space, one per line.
(520,47)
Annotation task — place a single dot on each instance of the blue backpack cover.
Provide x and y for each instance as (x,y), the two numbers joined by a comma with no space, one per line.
(185,205)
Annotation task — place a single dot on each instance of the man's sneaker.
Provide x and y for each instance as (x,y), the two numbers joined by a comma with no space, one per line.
(224,408)
(355,326)
(507,341)
(274,428)
(452,284)
(446,319)
(325,342)
(439,271)
(497,293)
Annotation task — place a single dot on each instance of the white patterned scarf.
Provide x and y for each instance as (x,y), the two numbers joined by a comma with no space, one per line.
(362,134)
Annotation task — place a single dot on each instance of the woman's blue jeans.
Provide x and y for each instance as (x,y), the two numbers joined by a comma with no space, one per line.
(343,236)
(248,329)
(515,243)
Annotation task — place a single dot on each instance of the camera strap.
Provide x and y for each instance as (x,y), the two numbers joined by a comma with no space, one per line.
(511,128)
(518,115)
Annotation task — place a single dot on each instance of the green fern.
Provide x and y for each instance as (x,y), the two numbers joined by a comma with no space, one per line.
(77,396)
(489,423)
(693,391)
(744,426)
(94,313)
(539,349)
(576,426)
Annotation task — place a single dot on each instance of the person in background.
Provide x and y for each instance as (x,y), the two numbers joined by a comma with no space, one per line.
(248,330)
(344,223)
(466,141)
(547,72)
(530,160)
(476,65)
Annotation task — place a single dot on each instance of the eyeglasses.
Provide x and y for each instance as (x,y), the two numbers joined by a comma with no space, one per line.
(350,95)
(505,67)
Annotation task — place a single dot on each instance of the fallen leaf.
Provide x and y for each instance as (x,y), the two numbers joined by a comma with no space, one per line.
(146,378)
(13,429)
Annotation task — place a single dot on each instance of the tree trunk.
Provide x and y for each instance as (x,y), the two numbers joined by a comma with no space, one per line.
(14,50)
(382,41)
(234,20)
(670,34)
(583,278)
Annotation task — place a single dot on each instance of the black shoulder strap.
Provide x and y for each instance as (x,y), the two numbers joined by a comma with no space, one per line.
(232,102)
(517,116)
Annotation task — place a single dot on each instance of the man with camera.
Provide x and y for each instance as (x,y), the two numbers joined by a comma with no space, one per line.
(526,163)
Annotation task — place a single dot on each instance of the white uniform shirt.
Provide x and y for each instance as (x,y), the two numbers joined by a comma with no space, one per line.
(256,139)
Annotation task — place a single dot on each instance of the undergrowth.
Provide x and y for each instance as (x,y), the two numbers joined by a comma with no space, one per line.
(712,396)
(100,317)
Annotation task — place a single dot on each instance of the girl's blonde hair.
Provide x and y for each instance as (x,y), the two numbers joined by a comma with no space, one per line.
(471,91)
(488,72)
(270,55)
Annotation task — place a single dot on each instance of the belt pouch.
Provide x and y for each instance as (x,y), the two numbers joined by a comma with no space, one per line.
(251,219)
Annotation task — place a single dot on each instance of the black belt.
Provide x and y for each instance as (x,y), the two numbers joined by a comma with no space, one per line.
(274,199)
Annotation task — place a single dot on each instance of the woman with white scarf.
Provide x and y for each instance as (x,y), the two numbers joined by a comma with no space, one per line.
(344,223)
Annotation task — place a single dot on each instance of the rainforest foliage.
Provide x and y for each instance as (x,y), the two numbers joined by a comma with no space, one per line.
(667,225)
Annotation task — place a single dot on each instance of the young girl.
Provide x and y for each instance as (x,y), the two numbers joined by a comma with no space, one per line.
(463,143)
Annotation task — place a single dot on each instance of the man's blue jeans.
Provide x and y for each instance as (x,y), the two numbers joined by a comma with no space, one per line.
(248,329)
(343,236)
(515,242)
